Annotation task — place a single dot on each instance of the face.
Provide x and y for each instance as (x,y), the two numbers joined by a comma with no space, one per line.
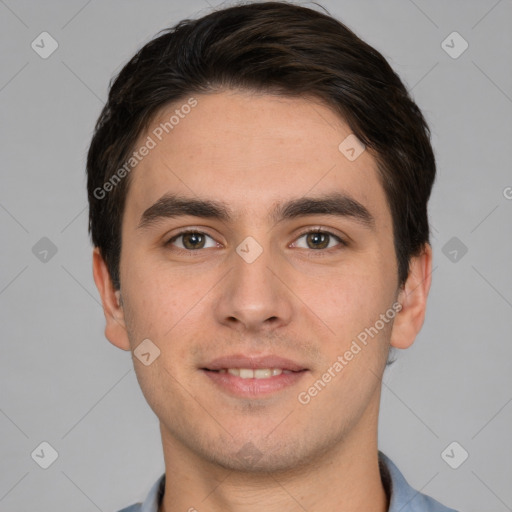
(271,276)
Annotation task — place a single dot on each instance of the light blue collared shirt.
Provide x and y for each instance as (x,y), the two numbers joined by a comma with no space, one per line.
(403,498)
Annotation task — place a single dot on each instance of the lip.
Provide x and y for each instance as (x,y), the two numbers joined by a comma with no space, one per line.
(253,362)
(253,388)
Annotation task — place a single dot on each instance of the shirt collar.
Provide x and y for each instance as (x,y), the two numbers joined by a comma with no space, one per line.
(154,498)
(402,497)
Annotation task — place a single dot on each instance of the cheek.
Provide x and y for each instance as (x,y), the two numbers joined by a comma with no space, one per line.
(353,300)
(153,301)
(165,306)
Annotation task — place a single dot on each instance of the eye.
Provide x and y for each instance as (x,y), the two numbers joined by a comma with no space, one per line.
(319,239)
(315,239)
(191,240)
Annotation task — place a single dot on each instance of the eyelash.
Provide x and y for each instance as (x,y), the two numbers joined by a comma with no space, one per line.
(319,230)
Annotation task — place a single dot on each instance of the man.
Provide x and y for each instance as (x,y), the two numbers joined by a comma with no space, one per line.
(258,185)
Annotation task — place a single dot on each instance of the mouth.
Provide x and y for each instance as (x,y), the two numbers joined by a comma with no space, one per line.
(253,376)
(250,373)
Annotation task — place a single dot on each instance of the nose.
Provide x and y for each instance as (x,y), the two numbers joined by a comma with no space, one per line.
(255,295)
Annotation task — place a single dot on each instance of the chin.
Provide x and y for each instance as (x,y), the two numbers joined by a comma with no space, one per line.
(259,455)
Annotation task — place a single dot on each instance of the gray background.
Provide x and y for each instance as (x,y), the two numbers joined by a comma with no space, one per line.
(63,383)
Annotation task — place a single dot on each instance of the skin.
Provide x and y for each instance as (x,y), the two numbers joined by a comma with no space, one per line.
(251,151)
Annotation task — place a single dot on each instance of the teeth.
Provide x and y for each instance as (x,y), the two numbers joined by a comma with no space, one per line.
(262,373)
(246,373)
(259,373)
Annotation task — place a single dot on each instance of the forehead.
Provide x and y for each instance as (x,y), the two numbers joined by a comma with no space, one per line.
(250,151)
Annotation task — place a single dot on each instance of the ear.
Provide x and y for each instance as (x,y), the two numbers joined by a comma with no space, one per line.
(413,298)
(115,328)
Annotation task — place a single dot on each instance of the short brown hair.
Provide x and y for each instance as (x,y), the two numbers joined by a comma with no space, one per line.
(276,48)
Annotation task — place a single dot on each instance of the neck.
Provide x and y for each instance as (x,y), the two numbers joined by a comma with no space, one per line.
(346,478)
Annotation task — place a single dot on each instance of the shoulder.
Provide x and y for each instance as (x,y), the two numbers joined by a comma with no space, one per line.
(402,496)
(132,508)
(153,499)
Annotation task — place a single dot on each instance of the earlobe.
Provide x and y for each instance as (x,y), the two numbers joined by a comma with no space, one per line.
(115,328)
(413,298)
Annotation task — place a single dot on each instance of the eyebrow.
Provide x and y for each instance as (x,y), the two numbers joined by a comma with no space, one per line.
(336,204)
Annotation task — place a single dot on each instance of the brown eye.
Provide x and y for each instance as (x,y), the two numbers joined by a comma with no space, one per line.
(193,240)
(318,239)
(190,240)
